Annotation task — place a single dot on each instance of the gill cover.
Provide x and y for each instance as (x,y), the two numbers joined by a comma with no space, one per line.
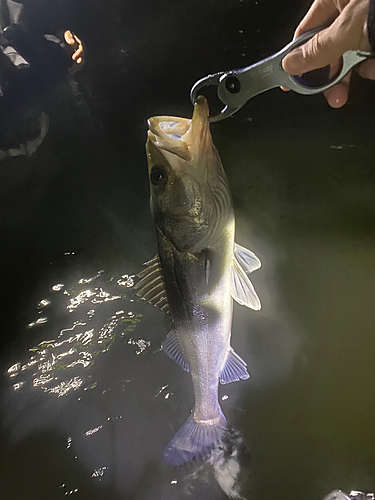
(190,198)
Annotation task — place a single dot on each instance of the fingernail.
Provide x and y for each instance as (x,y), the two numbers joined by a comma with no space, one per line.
(337,103)
(294,63)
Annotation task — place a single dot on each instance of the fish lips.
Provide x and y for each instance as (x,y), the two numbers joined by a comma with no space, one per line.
(182,137)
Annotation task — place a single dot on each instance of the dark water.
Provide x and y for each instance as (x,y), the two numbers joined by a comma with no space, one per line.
(88,400)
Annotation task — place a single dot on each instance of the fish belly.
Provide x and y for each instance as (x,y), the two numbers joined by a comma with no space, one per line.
(205,342)
(201,305)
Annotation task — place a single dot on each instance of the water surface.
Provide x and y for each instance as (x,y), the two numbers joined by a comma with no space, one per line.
(88,400)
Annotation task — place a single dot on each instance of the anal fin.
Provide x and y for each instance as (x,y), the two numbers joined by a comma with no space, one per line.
(235,369)
(172,349)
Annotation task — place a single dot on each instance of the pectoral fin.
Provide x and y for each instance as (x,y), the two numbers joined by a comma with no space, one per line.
(242,290)
(207,267)
(246,259)
(172,349)
(151,285)
(235,369)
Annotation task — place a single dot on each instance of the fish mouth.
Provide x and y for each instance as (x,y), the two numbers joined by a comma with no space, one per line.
(181,136)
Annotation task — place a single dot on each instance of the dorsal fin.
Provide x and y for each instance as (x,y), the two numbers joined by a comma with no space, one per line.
(244,262)
(151,285)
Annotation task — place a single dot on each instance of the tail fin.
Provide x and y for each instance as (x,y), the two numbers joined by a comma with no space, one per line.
(194,440)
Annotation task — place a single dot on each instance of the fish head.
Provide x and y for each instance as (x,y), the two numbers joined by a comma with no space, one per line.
(190,198)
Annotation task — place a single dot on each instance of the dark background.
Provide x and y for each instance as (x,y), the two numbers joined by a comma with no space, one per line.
(302,179)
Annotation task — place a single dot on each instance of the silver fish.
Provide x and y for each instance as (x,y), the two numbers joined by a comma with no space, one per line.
(198,269)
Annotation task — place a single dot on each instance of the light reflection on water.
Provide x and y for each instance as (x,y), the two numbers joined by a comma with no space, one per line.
(104,415)
(224,466)
(51,366)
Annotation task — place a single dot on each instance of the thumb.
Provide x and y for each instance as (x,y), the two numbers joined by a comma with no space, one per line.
(323,49)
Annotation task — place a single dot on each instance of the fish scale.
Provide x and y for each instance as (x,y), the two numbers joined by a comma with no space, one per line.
(198,271)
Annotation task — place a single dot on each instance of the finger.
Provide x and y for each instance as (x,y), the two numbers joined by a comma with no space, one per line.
(347,32)
(321,13)
(77,54)
(78,40)
(333,72)
(367,69)
(337,95)
(323,49)
(69,37)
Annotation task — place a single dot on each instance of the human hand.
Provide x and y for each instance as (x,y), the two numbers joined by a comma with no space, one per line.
(347,30)
(76,44)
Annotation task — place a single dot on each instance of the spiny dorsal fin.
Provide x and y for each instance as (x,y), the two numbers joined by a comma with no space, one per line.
(172,349)
(242,290)
(151,285)
(234,369)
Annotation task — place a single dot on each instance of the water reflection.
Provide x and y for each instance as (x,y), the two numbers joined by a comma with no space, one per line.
(92,373)
(224,466)
(53,364)
(227,461)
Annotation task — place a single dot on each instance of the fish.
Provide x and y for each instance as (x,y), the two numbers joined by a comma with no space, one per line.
(198,270)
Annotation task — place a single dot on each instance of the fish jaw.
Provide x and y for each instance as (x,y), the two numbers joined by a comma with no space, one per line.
(182,141)
(166,134)
(190,198)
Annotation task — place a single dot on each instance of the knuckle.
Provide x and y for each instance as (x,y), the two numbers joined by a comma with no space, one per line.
(321,47)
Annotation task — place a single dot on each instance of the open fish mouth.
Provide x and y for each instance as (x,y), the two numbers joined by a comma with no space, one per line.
(181,136)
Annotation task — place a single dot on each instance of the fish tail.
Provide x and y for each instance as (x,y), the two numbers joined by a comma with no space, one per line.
(195,440)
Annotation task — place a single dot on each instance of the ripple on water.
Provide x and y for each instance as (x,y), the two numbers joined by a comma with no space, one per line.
(80,321)
(55,365)
(99,473)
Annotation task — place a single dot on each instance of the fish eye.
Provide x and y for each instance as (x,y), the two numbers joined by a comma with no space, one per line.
(158,175)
